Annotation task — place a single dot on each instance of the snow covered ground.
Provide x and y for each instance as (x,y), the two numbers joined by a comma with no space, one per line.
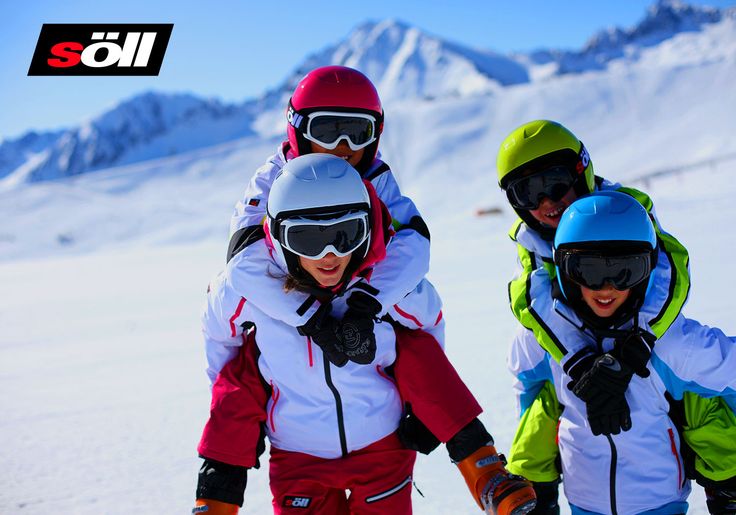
(101,366)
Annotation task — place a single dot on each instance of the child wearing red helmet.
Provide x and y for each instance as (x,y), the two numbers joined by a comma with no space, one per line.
(336,110)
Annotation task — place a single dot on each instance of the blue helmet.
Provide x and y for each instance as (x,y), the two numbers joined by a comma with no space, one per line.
(604,217)
(606,237)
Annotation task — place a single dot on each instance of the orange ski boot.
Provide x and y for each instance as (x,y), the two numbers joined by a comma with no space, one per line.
(496,490)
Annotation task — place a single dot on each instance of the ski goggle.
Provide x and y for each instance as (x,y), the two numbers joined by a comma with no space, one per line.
(314,239)
(553,183)
(594,270)
(328,128)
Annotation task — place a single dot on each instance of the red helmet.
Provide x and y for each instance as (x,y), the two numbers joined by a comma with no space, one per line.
(333,88)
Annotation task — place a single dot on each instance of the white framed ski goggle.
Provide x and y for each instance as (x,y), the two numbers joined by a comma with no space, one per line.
(329,128)
(314,239)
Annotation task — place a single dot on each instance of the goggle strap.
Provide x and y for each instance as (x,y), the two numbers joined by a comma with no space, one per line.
(296,119)
(583,159)
(323,210)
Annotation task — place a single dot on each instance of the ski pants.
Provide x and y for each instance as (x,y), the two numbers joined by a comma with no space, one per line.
(378,477)
(424,377)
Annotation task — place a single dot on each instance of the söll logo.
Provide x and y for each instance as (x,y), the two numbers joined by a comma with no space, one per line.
(293,501)
(100,49)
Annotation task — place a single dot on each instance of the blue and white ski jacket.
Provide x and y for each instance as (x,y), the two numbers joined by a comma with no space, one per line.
(640,469)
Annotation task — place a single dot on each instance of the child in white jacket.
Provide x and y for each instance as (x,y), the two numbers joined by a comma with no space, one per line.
(605,250)
(332,423)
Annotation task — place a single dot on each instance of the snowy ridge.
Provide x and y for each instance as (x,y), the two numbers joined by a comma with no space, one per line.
(147,126)
(405,62)
(664,20)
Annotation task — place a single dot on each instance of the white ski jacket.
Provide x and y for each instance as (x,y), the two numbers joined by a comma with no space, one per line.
(315,407)
(640,469)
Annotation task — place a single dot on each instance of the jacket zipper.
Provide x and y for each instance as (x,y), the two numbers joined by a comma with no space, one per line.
(612,487)
(338,408)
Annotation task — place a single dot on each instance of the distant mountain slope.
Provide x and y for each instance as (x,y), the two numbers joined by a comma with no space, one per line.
(405,63)
(143,127)
(664,20)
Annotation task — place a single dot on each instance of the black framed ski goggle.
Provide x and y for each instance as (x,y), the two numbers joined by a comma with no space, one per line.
(314,239)
(553,183)
(594,270)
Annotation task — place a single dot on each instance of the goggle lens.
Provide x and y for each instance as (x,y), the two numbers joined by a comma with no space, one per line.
(314,239)
(553,183)
(328,129)
(594,271)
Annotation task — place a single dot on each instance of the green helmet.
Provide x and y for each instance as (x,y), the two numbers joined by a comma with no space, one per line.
(538,145)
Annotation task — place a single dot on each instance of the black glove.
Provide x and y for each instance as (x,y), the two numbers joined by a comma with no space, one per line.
(603,389)
(634,350)
(324,330)
(356,328)
(720,501)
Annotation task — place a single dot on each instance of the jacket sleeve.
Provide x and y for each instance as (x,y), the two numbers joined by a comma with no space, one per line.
(250,280)
(696,358)
(421,309)
(222,325)
(534,452)
(530,295)
(660,311)
(520,296)
(529,364)
(407,255)
(252,275)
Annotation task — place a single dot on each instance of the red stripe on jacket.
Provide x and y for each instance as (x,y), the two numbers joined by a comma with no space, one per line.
(235,316)
(406,315)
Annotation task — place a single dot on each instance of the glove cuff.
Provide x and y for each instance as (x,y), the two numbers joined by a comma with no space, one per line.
(318,321)
(579,363)
(222,482)
(360,301)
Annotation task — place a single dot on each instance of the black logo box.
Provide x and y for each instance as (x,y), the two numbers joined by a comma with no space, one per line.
(53,33)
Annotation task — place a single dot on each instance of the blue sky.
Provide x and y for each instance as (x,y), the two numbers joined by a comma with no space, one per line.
(236,50)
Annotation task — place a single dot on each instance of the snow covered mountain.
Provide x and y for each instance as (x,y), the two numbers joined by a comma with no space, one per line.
(150,125)
(664,20)
(405,63)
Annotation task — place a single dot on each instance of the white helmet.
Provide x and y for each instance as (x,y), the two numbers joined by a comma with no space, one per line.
(318,204)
